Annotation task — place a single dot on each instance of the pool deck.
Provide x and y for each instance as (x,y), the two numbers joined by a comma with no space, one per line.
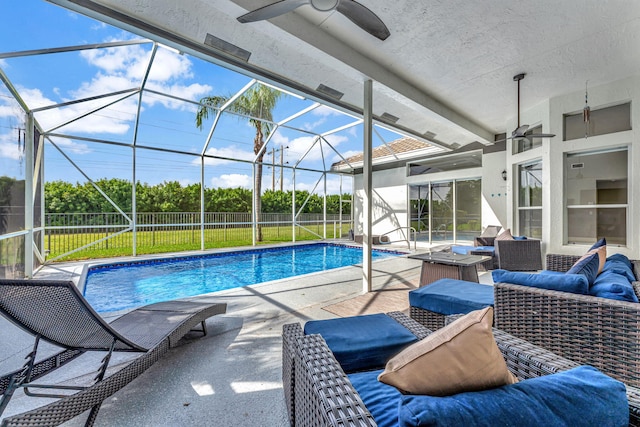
(232,376)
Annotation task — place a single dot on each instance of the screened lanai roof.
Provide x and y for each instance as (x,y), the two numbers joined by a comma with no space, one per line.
(98,100)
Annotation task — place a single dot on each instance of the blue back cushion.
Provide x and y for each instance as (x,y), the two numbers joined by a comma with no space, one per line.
(574,283)
(362,342)
(612,285)
(588,266)
(582,396)
(620,267)
(620,257)
(381,399)
(451,296)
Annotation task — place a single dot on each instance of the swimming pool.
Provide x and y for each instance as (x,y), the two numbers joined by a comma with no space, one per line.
(119,286)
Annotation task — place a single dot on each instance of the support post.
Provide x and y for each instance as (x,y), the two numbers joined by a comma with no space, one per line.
(254,215)
(324,208)
(202,207)
(29,185)
(367,193)
(293,206)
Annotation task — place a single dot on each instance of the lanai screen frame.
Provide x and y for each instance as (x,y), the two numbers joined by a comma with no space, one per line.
(34,160)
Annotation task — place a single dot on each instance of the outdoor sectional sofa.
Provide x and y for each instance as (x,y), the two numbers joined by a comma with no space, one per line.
(319,392)
(587,329)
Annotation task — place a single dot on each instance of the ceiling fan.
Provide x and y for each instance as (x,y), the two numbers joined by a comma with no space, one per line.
(357,13)
(520,132)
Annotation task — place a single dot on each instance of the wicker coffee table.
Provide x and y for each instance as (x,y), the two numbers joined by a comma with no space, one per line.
(441,265)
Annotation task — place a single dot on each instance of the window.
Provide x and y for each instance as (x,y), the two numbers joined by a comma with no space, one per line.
(446,211)
(596,188)
(601,121)
(530,200)
(526,144)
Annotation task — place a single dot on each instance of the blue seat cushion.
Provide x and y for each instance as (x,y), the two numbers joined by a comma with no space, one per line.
(451,296)
(565,282)
(461,250)
(582,396)
(362,342)
(381,399)
(491,249)
(612,285)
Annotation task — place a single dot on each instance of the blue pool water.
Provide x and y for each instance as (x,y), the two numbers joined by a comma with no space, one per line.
(126,285)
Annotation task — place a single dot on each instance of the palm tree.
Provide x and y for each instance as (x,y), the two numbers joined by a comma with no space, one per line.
(257,103)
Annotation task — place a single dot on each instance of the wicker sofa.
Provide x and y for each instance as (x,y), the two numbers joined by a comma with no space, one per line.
(319,393)
(601,332)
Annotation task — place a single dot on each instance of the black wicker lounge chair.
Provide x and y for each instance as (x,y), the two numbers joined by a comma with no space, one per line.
(320,394)
(56,312)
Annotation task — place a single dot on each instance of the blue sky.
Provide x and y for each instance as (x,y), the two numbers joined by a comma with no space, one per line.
(51,79)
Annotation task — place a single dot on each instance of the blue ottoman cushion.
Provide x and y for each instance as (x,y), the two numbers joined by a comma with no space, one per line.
(451,296)
(362,342)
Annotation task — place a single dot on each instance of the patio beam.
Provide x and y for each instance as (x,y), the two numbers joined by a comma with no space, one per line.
(367,188)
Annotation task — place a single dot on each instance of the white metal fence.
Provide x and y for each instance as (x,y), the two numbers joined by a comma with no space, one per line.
(67,233)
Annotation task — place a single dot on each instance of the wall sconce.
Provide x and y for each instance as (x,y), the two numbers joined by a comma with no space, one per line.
(504,175)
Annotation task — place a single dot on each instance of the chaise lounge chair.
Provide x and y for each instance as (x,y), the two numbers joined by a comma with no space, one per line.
(55,311)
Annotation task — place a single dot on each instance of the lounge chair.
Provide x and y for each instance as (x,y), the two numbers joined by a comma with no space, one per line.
(55,311)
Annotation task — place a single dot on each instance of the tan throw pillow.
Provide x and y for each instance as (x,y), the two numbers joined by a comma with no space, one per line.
(462,356)
(505,235)
(602,256)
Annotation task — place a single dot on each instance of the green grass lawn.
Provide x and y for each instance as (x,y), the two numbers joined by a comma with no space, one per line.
(162,241)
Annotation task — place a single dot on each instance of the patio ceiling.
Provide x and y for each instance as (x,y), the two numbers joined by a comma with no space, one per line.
(446,71)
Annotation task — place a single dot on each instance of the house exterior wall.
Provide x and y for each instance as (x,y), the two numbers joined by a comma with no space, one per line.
(391,197)
(499,202)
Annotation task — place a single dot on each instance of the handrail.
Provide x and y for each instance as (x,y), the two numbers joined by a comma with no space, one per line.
(410,229)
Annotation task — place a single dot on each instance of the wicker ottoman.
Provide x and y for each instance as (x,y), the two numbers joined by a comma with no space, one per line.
(430,304)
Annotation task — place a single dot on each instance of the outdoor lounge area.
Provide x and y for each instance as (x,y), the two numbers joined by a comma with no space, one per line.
(319,213)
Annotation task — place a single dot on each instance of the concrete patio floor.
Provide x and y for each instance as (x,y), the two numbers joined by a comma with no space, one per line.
(232,376)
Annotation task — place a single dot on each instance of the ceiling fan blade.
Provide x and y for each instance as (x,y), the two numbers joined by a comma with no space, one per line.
(541,135)
(364,18)
(272,10)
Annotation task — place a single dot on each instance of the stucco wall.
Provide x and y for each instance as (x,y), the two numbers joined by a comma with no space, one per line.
(499,202)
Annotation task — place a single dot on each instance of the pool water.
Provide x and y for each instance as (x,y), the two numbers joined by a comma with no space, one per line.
(122,286)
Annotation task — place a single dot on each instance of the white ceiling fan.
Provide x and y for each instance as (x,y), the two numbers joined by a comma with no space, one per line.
(520,131)
(356,12)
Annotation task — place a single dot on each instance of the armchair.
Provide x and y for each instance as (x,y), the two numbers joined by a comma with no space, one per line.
(601,332)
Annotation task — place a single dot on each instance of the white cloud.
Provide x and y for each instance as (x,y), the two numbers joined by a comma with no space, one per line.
(233,180)
(230,152)
(299,146)
(324,113)
(10,150)
(69,146)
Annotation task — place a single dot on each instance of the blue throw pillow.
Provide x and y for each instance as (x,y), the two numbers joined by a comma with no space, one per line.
(588,266)
(619,267)
(574,283)
(620,257)
(596,245)
(582,396)
(612,285)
